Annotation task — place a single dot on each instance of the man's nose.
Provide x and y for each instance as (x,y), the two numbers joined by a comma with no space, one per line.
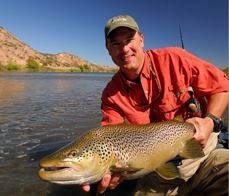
(125,47)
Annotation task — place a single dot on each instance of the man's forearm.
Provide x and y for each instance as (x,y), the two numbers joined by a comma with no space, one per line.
(217,103)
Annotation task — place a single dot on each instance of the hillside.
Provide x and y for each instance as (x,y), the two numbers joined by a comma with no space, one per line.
(17,55)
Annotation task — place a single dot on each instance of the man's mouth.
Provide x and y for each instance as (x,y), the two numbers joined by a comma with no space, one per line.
(127,58)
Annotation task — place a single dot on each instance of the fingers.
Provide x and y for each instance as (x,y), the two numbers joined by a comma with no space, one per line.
(199,139)
(202,130)
(85,187)
(102,186)
(107,181)
(115,180)
(195,122)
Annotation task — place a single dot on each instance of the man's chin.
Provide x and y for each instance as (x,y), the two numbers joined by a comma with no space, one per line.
(129,67)
(127,64)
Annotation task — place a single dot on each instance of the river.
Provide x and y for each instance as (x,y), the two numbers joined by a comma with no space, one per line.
(40,112)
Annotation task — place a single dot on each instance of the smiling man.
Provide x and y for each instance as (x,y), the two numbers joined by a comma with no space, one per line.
(157,85)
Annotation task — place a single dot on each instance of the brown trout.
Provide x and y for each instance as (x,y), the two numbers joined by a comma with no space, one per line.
(132,150)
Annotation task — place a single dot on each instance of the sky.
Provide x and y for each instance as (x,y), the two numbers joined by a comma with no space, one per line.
(77,26)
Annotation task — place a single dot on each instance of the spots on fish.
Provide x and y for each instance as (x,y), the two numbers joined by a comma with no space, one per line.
(146,138)
(86,147)
(137,148)
(125,142)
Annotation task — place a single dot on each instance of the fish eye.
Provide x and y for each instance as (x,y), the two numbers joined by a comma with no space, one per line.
(72,154)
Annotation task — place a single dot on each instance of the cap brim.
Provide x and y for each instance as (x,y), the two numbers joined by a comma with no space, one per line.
(117,26)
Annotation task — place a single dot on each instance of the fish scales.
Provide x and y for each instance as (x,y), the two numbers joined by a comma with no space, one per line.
(134,150)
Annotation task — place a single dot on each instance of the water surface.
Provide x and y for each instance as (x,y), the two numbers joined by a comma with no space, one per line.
(39,112)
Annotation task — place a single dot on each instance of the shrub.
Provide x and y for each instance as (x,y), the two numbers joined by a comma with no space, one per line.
(84,68)
(12,66)
(32,64)
(2,68)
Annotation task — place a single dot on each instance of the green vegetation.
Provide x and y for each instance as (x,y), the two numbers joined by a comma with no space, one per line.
(84,68)
(12,66)
(1,67)
(75,70)
(33,65)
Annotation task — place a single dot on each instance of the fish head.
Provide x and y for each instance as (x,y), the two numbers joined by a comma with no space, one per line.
(78,163)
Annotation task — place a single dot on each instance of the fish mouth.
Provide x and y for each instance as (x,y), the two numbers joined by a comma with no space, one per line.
(53,169)
(47,173)
(53,173)
(67,175)
(58,175)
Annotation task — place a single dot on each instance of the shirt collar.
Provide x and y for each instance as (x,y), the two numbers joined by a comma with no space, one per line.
(146,67)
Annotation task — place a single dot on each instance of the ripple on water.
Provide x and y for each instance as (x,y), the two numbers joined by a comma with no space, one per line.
(37,119)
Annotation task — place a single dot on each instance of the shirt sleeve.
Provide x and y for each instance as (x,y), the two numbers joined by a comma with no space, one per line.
(110,112)
(206,79)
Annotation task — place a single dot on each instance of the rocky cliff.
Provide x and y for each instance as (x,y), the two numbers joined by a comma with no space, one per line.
(17,55)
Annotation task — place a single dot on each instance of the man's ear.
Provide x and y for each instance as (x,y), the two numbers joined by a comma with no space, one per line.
(107,48)
(142,40)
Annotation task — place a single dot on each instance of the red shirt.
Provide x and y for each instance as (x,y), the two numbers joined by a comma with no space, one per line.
(162,89)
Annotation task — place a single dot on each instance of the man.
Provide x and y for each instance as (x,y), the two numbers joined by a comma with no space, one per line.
(157,85)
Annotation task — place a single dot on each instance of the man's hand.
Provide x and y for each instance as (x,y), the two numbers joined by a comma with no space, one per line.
(86,187)
(204,127)
(107,181)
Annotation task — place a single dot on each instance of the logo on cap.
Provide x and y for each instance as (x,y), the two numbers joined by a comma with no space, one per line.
(120,21)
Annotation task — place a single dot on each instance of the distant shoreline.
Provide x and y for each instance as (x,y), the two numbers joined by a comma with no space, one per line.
(18,68)
(71,70)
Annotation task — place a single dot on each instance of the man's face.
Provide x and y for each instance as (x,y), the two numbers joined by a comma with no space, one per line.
(125,46)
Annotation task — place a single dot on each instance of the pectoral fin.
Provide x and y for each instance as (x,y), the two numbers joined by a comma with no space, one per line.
(192,149)
(168,171)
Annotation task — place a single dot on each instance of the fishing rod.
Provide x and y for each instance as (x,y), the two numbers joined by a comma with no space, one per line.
(181,38)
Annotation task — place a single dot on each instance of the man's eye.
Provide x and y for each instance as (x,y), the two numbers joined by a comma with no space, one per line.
(129,40)
(115,44)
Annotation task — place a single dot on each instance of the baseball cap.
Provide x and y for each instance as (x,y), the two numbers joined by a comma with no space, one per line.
(120,21)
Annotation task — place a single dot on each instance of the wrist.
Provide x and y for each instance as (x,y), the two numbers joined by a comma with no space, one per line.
(210,121)
(217,122)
